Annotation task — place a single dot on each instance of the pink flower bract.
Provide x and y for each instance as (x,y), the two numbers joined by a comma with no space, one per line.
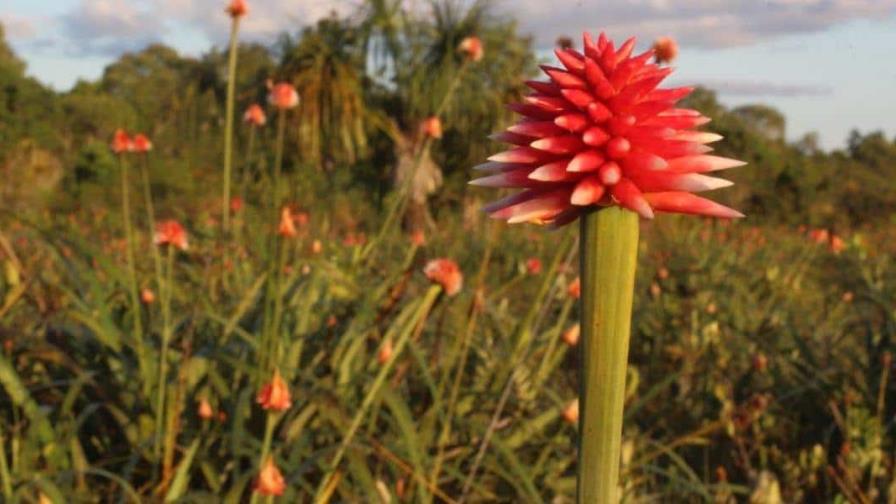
(601,133)
(284,96)
(170,232)
(446,273)
(275,395)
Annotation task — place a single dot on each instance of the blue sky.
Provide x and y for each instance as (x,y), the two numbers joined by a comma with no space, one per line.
(827,64)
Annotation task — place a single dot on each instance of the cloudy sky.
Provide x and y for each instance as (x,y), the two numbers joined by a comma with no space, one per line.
(829,65)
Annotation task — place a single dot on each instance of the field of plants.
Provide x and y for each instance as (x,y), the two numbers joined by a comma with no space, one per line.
(318,310)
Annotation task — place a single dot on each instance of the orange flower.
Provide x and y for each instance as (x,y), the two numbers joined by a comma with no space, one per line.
(432,127)
(472,47)
(170,232)
(837,244)
(665,50)
(446,273)
(121,142)
(141,144)
(385,352)
(571,335)
(317,247)
(236,204)
(533,265)
(571,412)
(575,289)
(237,8)
(270,480)
(284,96)
(205,410)
(418,238)
(274,395)
(287,226)
(147,296)
(255,115)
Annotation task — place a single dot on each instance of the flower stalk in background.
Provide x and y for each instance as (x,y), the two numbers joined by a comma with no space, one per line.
(142,146)
(121,145)
(283,97)
(172,235)
(665,50)
(601,141)
(236,10)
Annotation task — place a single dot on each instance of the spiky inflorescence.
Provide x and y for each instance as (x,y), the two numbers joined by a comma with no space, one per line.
(601,133)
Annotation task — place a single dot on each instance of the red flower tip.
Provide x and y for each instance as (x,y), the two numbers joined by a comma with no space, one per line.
(432,127)
(121,142)
(284,96)
(571,412)
(601,132)
(170,232)
(665,49)
(255,115)
(533,265)
(571,335)
(141,144)
(274,395)
(147,296)
(446,273)
(237,8)
(472,48)
(270,481)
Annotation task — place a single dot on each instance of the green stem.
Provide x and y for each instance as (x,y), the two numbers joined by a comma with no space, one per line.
(609,256)
(163,353)
(129,242)
(270,422)
(228,122)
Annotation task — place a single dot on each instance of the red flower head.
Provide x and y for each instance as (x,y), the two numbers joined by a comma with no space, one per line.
(533,265)
(141,144)
(287,227)
(445,273)
(270,480)
(255,115)
(472,47)
(121,142)
(571,335)
(665,50)
(147,296)
(170,232)
(237,8)
(571,412)
(284,96)
(601,133)
(274,395)
(432,127)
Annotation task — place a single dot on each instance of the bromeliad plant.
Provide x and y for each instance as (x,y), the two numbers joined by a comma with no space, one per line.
(601,141)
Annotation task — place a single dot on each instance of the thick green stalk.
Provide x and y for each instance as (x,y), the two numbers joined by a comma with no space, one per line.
(129,243)
(609,256)
(228,122)
(270,423)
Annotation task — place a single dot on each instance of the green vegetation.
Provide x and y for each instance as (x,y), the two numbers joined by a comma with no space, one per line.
(761,362)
